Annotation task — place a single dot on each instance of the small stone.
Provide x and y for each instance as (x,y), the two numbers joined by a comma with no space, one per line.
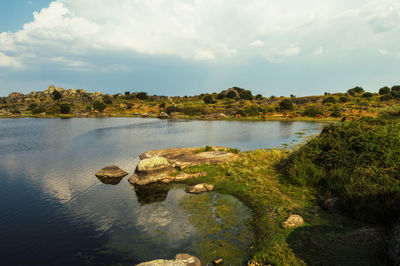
(293,221)
(218,261)
(199,188)
(111,171)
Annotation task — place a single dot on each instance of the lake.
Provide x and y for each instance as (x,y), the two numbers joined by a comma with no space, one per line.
(55,211)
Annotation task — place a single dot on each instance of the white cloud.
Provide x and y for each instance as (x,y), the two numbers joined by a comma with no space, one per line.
(7,61)
(383,52)
(257,43)
(205,30)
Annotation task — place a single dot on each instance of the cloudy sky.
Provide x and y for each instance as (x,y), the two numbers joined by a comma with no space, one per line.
(186,47)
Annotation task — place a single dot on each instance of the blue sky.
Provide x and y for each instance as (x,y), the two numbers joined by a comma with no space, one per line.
(188,47)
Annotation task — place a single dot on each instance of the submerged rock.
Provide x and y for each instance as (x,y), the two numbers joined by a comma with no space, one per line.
(199,188)
(293,221)
(180,259)
(394,246)
(152,164)
(111,171)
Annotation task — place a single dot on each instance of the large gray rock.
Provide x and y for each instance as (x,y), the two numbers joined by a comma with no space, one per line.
(111,171)
(142,179)
(180,260)
(199,188)
(293,221)
(152,164)
(394,247)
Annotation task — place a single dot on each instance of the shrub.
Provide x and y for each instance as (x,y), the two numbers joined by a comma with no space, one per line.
(356,90)
(329,99)
(171,109)
(192,111)
(368,95)
(65,108)
(99,106)
(221,95)
(357,161)
(142,96)
(396,88)
(344,99)
(56,95)
(32,106)
(286,105)
(38,110)
(107,99)
(129,106)
(336,112)
(384,90)
(208,99)
(208,148)
(162,105)
(259,96)
(312,111)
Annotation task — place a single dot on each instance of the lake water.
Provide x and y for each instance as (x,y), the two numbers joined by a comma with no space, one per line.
(55,211)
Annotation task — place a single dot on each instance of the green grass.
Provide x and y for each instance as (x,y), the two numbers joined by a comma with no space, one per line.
(325,239)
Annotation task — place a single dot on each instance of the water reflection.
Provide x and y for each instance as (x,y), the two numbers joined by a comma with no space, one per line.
(55,203)
(151,193)
(110,181)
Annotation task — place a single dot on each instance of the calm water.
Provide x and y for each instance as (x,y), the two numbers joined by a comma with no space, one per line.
(55,211)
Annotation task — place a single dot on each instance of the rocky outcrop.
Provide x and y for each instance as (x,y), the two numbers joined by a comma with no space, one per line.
(152,164)
(111,171)
(158,165)
(180,259)
(293,221)
(394,246)
(199,188)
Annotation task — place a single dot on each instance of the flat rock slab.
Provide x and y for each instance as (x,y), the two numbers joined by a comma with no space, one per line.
(152,164)
(163,175)
(180,259)
(199,188)
(111,171)
(184,157)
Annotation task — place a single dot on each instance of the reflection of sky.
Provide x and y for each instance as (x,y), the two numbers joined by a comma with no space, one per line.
(47,178)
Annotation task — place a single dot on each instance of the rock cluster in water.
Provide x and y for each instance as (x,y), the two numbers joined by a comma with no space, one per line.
(158,165)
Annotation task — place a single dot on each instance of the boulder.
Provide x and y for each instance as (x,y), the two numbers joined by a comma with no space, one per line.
(163,115)
(199,188)
(394,246)
(111,171)
(152,164)
(180,259)
(293,221)
(143,179)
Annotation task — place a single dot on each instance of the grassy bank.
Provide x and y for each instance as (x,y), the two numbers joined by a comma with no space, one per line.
(278,183)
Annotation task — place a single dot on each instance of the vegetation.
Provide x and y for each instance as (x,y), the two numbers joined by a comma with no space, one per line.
(357,161)
(233,103)
(325,239)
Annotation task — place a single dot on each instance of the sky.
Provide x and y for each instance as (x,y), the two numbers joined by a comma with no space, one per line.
(188,47)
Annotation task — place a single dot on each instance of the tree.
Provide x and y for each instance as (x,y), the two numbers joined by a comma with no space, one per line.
(329,99)
(396,88)
(259,96)
(99,106)
(231,94)
(208,99)
(286,105)
(127,93)
(56,95)
(355,90)
(142,96)
(384,90)
(367,95)
(65,108)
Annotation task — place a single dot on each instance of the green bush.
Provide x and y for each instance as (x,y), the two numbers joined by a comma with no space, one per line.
(142,96)
(336,112)
(329,99)
(357,161)
(368,95)
(192,111)
(99,106)
(343,99)
(384,90)
(208,99)
(56,95)
(171,109)
(38,110)
(313,111)
(65,108)
(286,105)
